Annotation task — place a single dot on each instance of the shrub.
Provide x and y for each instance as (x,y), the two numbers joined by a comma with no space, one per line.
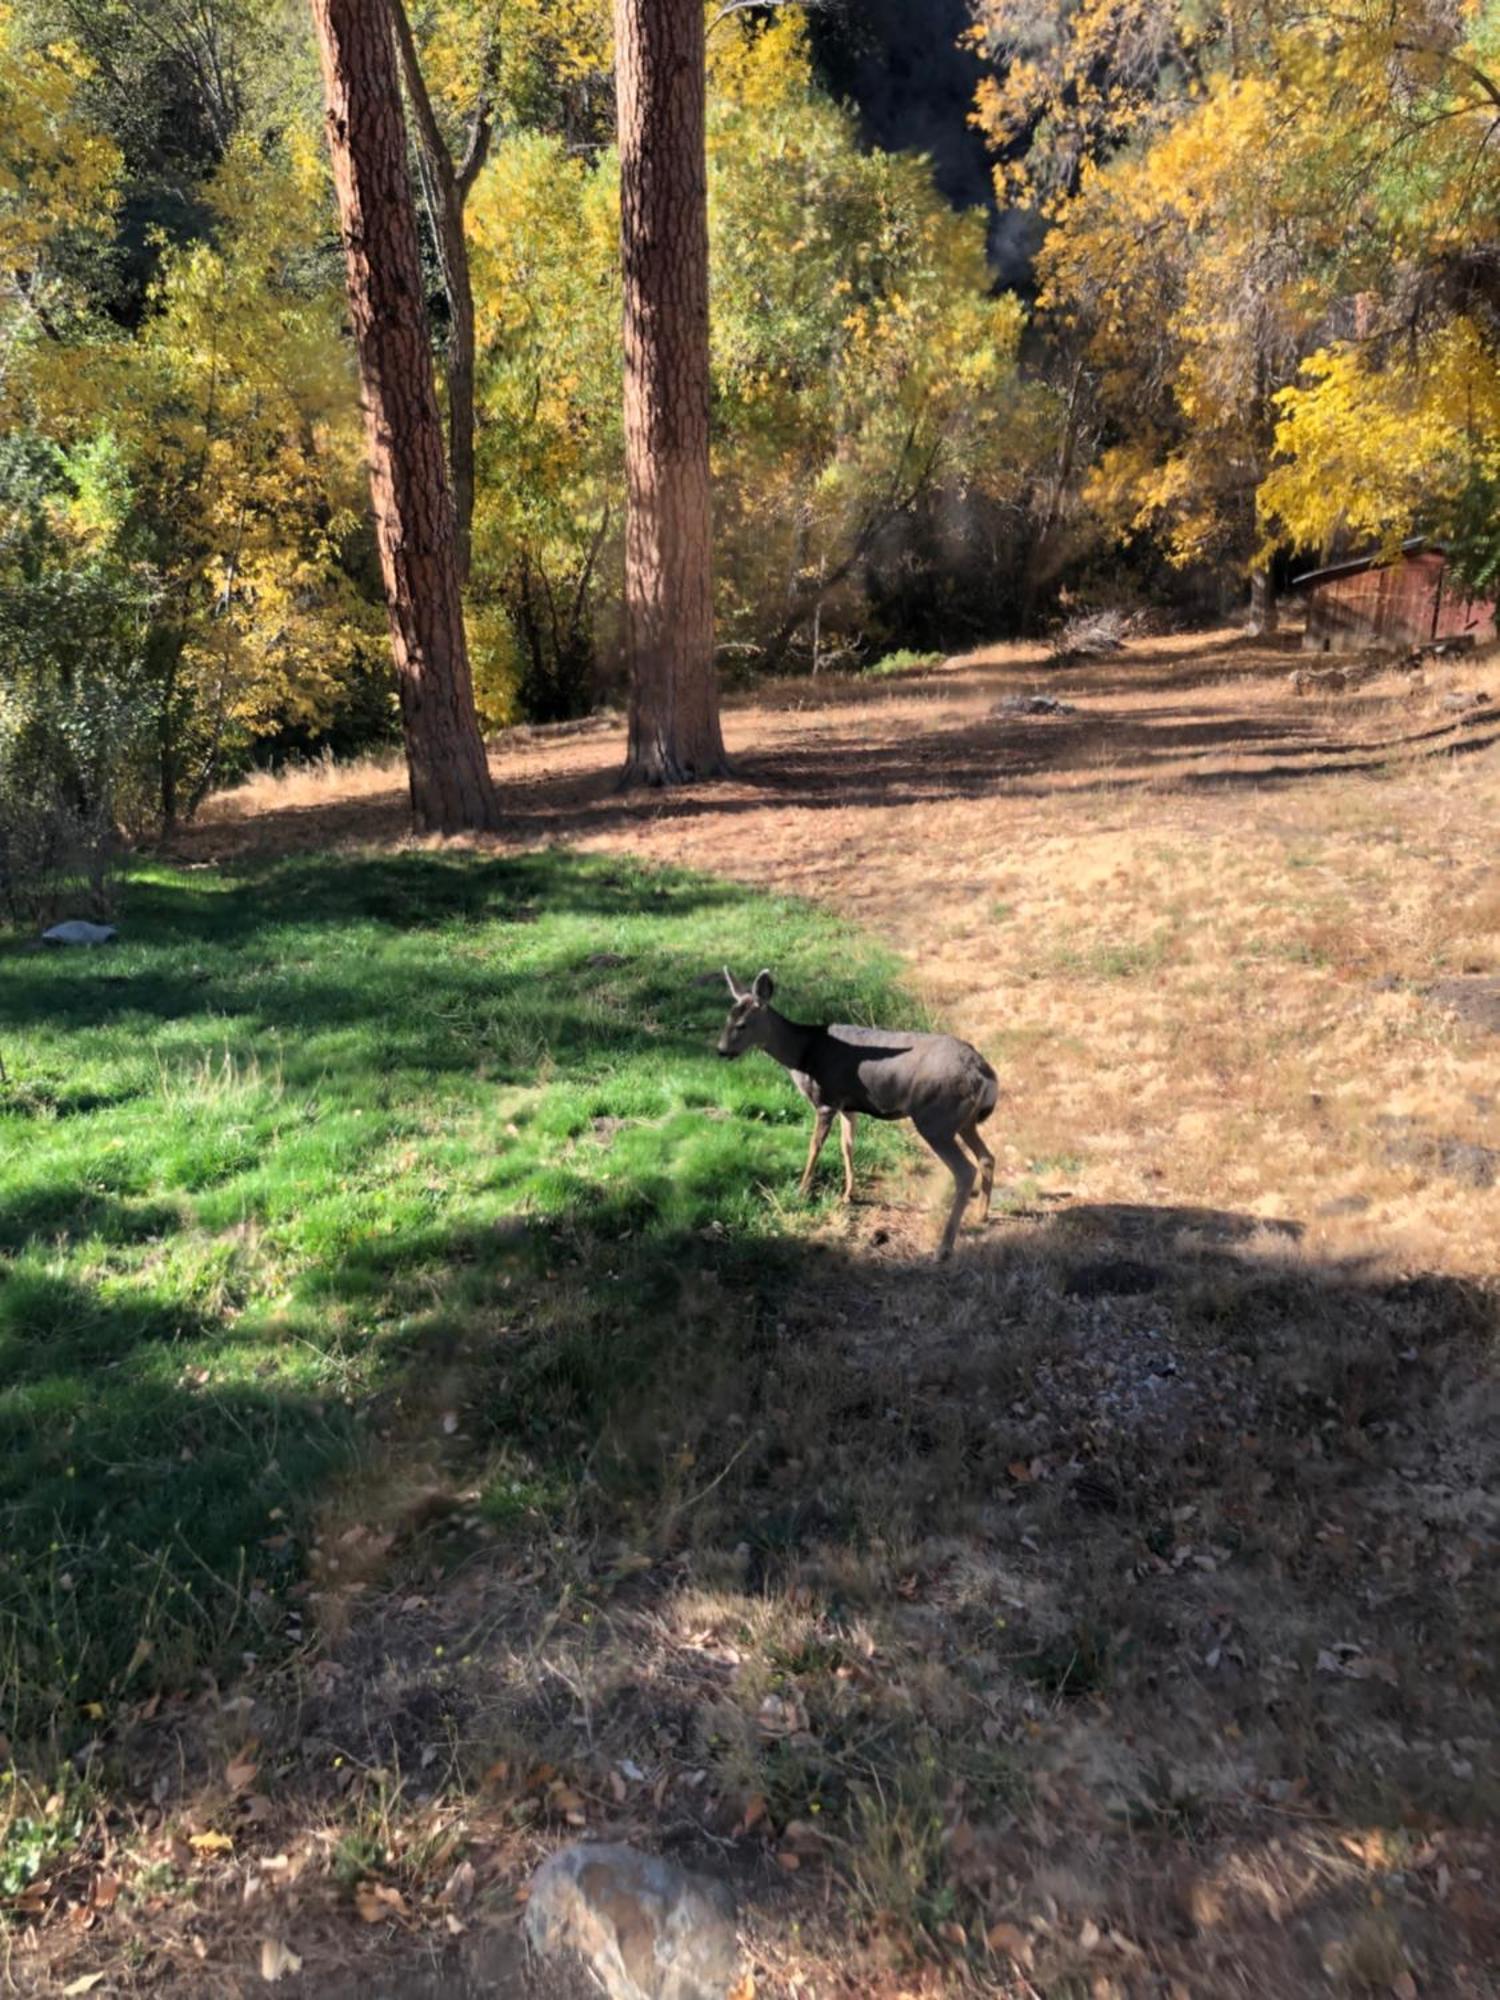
(905,661)
(74,717)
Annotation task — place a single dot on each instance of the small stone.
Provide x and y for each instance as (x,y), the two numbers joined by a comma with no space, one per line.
(1475,999)
(1473,1166)
(645,1928)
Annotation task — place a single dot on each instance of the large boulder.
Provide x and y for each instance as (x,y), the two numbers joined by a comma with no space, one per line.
(646,1929)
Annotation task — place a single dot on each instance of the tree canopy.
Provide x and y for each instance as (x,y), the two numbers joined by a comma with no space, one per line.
(1272,244)
(1262,323)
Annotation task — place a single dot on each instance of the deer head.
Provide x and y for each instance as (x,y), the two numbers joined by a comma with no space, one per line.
(749,1017)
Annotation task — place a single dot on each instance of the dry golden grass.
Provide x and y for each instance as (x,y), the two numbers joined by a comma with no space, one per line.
(1108,1613)
(1197,913)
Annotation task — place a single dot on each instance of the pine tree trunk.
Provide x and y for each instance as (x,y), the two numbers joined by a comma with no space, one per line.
(674,694)
(414,522)
(461,419)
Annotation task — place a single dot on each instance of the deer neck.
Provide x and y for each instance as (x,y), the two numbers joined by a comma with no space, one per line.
(788,1042)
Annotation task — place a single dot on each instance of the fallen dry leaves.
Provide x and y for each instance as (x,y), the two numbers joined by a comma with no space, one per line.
(277,1960)
(381,1902)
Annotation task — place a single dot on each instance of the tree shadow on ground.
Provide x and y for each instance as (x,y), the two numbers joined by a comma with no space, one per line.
(300,949)
(969,761)
(1135,1536)
(253,1151)
(1123,1570)
(1091,752)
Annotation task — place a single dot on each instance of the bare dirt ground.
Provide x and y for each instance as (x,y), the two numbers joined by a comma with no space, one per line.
(1163,1660)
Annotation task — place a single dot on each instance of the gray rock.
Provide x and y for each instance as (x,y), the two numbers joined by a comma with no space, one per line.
(77,931)
(1032,704)
(1461,1160)
(645,1928)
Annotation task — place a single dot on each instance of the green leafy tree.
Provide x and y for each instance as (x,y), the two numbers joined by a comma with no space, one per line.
(75,617)
(865,379)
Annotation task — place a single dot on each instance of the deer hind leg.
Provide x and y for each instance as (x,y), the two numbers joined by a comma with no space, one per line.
(970,1136)
(822,1126)
(846,1147)
(954,1158)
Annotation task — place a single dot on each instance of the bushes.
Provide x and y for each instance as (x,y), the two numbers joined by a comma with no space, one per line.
(74,706)
(55,857)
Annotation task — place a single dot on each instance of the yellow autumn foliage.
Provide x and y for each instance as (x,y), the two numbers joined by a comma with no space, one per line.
(1232,191)
(1368,451)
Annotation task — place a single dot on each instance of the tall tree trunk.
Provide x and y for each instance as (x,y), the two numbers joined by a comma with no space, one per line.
(445,187)
(414,524)
(166,725)
(674,692)
(1263,619)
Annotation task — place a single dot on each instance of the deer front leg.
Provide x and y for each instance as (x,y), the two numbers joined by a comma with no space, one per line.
(822,1126)
(846,1147)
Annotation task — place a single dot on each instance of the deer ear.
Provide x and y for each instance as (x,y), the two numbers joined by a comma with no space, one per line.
(735,993)
(764,987)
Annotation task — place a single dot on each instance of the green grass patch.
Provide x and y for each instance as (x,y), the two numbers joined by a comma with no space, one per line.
(903,661)
(319,1140)
(1117,958)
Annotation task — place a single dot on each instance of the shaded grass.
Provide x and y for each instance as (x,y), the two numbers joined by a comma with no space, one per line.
(309,1134)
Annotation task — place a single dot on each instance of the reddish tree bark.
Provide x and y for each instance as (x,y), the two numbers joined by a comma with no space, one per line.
(414,520)
(674,693)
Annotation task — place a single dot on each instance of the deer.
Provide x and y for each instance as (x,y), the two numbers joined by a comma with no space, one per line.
(945,1087)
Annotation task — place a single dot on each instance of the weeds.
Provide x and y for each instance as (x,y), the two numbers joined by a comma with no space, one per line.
(1117,958)
(35,1831)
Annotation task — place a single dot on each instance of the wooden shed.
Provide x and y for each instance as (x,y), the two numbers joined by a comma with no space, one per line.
(1365,605)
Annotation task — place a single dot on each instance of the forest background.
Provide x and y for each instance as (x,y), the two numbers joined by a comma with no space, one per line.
(1016,310)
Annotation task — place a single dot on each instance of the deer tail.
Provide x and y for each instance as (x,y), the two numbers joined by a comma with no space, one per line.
(988,1095)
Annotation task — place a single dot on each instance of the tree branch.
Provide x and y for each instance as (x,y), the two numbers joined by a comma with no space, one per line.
(744,7)
(482,125)
(433,146)
(575,617)
(1475,75)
